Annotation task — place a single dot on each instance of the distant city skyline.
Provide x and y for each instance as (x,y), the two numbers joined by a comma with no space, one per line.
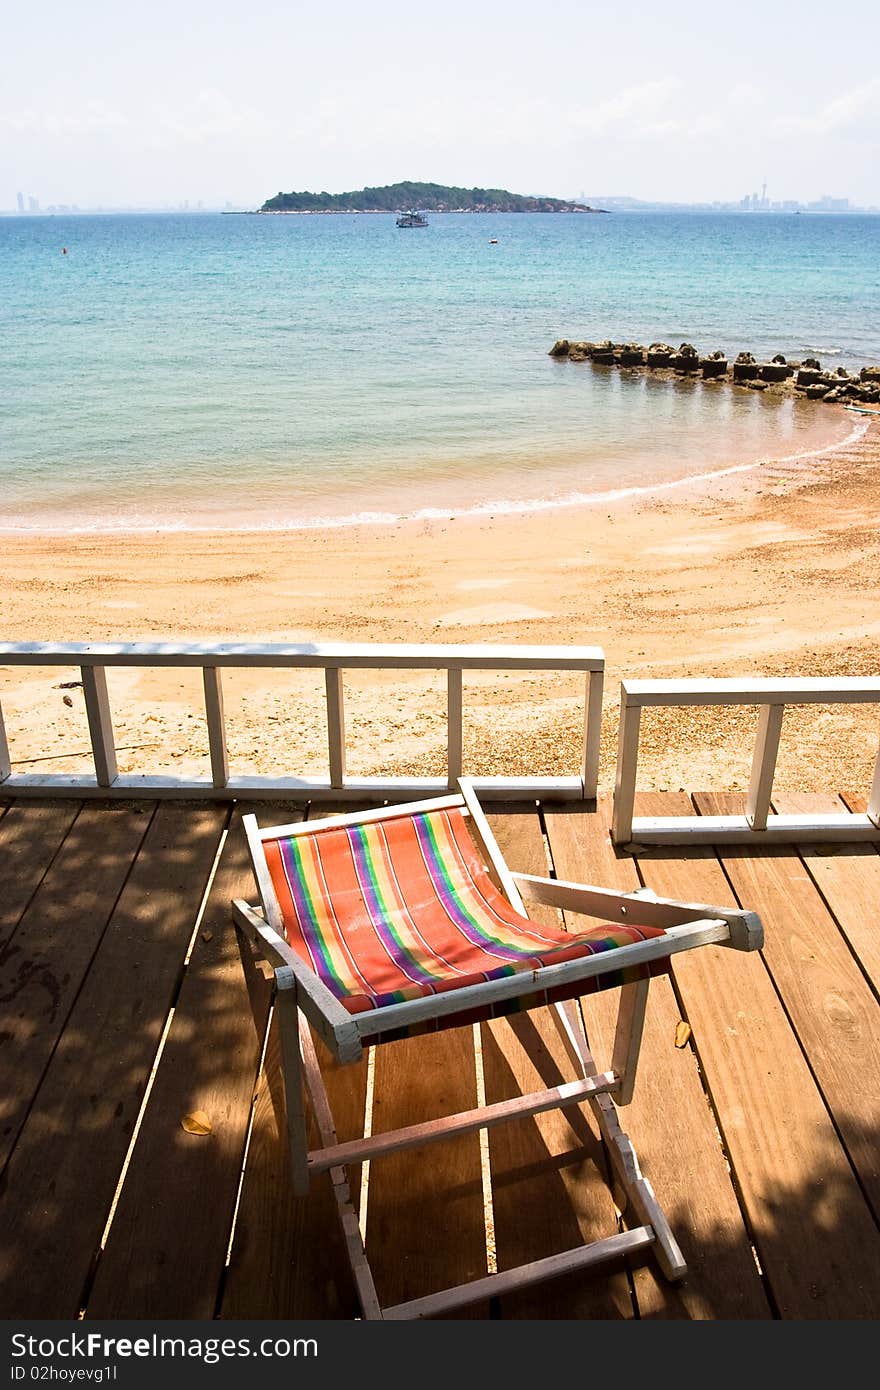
(750,202)
(52,209)
(228,103)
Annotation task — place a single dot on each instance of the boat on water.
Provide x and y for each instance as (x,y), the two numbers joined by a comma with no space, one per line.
(412,219)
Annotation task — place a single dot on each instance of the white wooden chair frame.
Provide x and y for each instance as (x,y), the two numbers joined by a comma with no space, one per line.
(302,1000)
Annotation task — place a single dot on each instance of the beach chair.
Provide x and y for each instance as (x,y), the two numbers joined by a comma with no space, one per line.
(393,922)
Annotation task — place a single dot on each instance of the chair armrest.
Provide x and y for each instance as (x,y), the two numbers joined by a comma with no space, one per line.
(333,1023)
(641,906)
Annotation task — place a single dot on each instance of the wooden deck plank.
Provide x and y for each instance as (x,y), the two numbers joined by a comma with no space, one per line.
(544,1199)
(847,876)
(288,1258)
(832,1008)
(425,1223)
(30,836)
(64,1170)
(808,1218)
(166,1249)
(425,1219)
(669,1119)
(44,964)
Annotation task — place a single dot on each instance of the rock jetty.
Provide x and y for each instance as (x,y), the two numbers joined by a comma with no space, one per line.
(779,376)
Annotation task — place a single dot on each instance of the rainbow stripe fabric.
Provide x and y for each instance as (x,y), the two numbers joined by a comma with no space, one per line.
(396,909)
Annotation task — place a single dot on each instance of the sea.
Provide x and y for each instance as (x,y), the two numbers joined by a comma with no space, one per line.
(245,372)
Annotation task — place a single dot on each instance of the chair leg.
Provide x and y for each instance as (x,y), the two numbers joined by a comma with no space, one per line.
(621,1154)
(633,1186)
(351,1231)
(300,1064)
(628,1038)
(292,1071)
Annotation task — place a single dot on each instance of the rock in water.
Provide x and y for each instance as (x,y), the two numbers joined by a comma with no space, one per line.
(631,355)
(745,368)
(807,376)
(714,365)
(659,355)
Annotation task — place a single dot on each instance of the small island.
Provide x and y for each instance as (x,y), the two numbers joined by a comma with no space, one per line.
(429,197)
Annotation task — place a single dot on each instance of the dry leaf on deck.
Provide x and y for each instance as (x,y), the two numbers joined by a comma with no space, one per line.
(207,936)
(197,1123)
(682,1033)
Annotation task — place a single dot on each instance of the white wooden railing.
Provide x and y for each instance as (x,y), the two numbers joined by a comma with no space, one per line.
(94,658)
(758,824)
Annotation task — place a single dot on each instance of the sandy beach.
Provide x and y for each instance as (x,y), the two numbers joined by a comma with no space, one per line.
(770,571)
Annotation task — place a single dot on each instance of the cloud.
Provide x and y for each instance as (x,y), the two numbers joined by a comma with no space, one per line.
(639,110)
(209,117)
(93,118)
(653,111)
(645,112)
(855,114)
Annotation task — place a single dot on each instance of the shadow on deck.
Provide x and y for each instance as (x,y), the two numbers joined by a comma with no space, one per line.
(126,1007)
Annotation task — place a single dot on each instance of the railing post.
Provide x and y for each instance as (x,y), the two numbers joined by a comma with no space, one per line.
(874,798)
(627,764)
(216,725)
(335,725)
(5,760)
(592,733)
(764,766)
(453,725)
(94,679)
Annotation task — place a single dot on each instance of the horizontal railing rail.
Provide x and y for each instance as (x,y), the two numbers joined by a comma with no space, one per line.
(95,658)
(758,824)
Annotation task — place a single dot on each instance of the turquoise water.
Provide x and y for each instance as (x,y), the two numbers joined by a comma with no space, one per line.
(175,371)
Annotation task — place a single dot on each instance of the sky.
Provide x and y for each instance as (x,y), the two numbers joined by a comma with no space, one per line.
(102,103)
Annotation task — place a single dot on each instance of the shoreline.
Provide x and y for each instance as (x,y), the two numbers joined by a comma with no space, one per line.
(509,507)
(768,571)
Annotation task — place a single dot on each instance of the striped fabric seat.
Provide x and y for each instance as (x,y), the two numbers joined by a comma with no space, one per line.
(396,909)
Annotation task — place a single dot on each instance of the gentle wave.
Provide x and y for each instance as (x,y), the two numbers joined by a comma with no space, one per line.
(502,506)
(857,432)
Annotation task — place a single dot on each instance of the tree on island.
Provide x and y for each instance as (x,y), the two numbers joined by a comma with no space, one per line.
(429,197)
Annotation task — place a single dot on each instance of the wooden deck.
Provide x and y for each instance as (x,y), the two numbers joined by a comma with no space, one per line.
(126,1007)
